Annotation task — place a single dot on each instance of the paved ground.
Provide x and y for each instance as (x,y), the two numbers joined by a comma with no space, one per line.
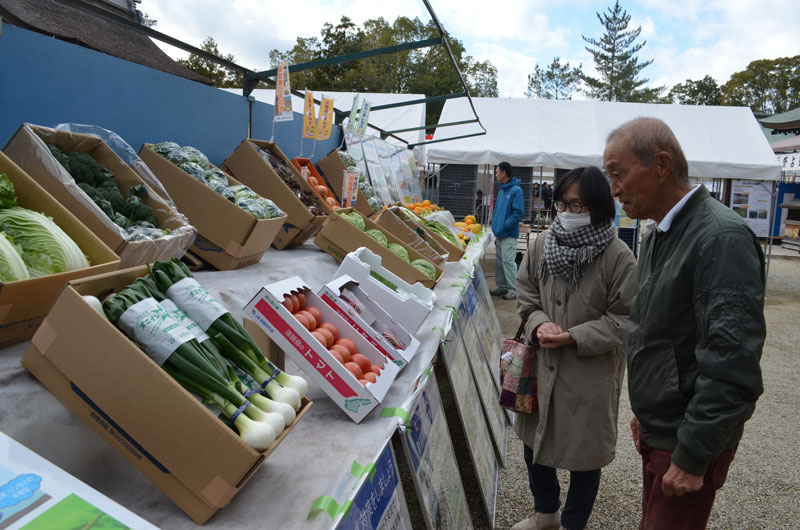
(763,488)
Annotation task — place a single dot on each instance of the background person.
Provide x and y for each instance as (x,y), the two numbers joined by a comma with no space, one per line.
(576,284)
(696,326)
(508,212)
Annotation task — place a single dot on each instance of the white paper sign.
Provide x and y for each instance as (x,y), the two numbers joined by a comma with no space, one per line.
(150,325)
(196,302)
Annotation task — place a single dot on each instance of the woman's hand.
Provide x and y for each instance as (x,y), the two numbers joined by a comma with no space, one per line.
(556,341)
(547,329)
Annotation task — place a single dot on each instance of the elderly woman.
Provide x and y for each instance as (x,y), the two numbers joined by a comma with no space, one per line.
(575,288)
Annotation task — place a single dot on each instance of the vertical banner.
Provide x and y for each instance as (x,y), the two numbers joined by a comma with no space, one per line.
(352,120)
(380,503)
(283,94)
(434,469)
(363,118)
(325,122)
(309,117)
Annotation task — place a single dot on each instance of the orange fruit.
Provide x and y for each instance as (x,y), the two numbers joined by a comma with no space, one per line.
(316,314)
(328,336)
(362,361)
(336,355)
(330,327)
(354,369)
(349,344)
(369,376)
(343,352)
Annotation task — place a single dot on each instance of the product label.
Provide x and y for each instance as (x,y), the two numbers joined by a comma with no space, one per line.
(195,301)
(190,325)
(312,357)
(150,325)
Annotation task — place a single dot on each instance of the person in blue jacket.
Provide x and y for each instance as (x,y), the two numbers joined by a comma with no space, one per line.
(508,212)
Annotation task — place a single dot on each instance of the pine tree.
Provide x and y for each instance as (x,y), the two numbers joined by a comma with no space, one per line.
(559,81)
(615,59)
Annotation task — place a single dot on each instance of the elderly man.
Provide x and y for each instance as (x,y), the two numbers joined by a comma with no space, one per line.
(696,326)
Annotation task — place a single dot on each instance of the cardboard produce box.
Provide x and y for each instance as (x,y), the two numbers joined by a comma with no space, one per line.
(355,399)
(28,148)
(248,166)
(333,168)
(454,253)
(367,317)
(24,303)
(304,164)
(339,236)
(135,406)
(417,238)
(227,236)
(408,304)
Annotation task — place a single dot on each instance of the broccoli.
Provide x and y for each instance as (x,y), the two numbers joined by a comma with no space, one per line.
(172,152)
(58,155)
(141,212)
(115,198)
(7,196)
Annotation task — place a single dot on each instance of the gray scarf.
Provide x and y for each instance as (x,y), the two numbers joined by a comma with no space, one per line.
(566,253)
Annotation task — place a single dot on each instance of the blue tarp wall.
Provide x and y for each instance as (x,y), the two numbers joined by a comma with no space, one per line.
(46,81)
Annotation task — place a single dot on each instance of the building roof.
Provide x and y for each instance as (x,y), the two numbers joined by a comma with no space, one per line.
(788,121)
(77,26)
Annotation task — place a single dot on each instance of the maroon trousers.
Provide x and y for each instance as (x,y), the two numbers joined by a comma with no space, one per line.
(687,512)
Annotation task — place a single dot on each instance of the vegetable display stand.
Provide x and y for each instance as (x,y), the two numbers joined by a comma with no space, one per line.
(228,237)
(339,236)
(333,167)
(304,208)
(327,194)
(298,338)
(136,406)
(29,148)
(26,302)
(408,304)
(435,230)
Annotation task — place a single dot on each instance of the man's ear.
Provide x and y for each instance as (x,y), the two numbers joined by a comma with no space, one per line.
(664,164)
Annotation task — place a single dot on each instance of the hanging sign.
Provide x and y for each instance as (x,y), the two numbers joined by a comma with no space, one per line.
(353,118)
(789,162)
(325,122)
(283,94)
(349,189)
(363,118)
(309,117)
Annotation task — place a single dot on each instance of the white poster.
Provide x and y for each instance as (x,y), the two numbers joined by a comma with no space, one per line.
(752,200)
(472,419)
(429,449)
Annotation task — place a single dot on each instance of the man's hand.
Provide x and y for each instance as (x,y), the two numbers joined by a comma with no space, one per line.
(637,434)
(676,481)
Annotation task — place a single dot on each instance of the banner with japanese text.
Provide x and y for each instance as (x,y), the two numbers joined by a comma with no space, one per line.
(283,94)
(325,121)
(309,117)
(363,118)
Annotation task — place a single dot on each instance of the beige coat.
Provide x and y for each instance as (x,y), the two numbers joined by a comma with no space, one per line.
(578,385)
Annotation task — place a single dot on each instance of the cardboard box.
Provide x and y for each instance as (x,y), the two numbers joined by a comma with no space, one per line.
(28,149)
(408,304)
(248,166)
(355,399)
(332,168)
(424,244)
(133,404)
(454,253)
(227,237)
(339,236)
(367,317)
(24,303)
(301,163)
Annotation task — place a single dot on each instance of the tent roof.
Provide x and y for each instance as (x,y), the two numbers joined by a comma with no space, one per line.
(74,25)
(719,142)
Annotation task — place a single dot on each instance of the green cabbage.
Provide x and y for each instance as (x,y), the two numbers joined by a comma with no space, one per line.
(45,248)
(12,268)
(400,251)
(378,236)
(356,219)
(425,267)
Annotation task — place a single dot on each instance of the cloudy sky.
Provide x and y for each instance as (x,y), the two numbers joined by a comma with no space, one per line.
(686,38)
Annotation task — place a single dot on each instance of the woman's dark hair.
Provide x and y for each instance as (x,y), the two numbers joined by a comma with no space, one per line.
(594,190)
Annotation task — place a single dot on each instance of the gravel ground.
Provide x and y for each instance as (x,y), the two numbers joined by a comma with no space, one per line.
(763,486)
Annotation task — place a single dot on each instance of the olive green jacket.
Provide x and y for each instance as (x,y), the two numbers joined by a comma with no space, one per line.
(696,333)
(578,385)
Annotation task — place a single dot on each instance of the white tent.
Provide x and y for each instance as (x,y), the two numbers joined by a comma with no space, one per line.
(719,142)
(387,119)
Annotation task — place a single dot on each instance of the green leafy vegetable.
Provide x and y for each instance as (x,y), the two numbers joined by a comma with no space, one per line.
(355,219)
(400,251)
(425,267)
(12,268)
(45,248)
(378,236)
(7,196)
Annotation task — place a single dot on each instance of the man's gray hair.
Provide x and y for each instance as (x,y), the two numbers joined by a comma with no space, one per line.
(645,137)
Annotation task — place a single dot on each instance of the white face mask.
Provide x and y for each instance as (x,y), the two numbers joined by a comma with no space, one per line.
(573,221)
